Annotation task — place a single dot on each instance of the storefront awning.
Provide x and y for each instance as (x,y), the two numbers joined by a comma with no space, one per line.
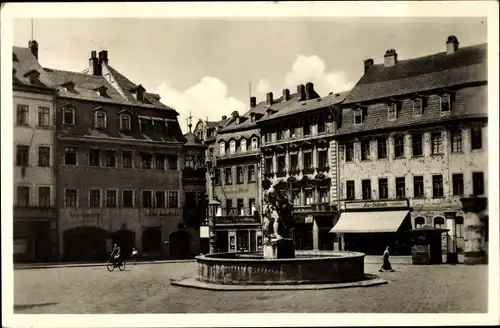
(368,222)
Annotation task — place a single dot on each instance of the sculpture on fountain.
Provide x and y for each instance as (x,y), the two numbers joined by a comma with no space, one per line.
(277,223)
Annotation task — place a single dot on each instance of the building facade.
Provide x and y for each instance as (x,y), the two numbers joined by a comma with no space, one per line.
(299,151)
(413,152)
(35,215)
(120,159)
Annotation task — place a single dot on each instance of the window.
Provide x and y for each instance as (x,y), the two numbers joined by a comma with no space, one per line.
(307,129)
(308,194)
(445,103)
(189,161)
(350,191)
(456,141)
(22,114)
(160,199)
(268,164)
(358,116)
(69,115)
(146,160)
(111,198)
(294,162)
(110,158)
(321,126)
(160,161)
(383,188)
(69,156)
(392,112)
(22,155)
(459,227)
(278,135)
(382,148)
(323,195)
(243,145)
(349,152)
(95,198)
(365,150)
(229,175)
(232,146)
(172,162)
(44,197)
(145,125)
(296,197)
(94,157)
(439,222)
(476,138)
(418,186)
(437,144)
(23,196)
(229,205)
(70,198)
(43,116)
(281,163)
(251,205)
(255,143)
(322,158)
(477,183)
(239,174)
(147,198)
(125,122)
(43,156)
(158,126)
(399,146)
(418,107)
(419,222)
(308,160)
(217,176)
(128,198)
(239,207)
(100,120)
(222,148)
(400,187)
(437,186)
(366,186)
(458,184)
(173,199)
(127,159)
(251,173)
(416,141)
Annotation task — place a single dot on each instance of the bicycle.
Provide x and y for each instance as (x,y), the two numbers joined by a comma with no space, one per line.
(114,263)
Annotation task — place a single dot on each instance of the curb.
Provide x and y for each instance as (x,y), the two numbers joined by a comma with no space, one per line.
(81,265)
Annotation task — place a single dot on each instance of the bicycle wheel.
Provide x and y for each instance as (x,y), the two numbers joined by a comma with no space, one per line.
(122,266)
(110,265)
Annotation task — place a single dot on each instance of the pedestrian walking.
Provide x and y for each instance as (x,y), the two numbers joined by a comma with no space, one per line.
(134,255)
(386,265)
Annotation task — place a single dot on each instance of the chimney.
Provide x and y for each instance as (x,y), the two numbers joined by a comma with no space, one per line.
(269,98)
(368,63)
(235,114)
(309,90)
(451,44)
(253,102)
(390,58)
(33,45)
(103,56)
(224,117)
(286,95)
(301,92)
(94,66)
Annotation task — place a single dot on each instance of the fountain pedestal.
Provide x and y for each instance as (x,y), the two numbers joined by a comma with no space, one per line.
(279,249)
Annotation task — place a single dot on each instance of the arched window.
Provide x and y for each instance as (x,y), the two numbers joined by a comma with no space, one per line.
(222,148)
(232,146)
(255,143)
(419,222)
(439,222)
(243,145)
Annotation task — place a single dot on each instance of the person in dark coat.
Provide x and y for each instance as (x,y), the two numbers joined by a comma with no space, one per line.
(386,265)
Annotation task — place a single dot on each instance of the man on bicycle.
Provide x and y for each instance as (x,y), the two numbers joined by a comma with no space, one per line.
(115,254)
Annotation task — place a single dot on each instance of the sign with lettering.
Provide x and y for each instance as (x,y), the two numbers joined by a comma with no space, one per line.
(159,213)
(75,214)
(237,190)
(376,204)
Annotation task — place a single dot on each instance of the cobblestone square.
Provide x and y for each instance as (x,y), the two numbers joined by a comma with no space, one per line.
(145,288)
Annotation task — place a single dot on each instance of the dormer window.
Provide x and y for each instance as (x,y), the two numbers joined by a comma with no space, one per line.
(99,118)
(393,109)
(33,76)
(138,92)
(232,146)
(418,107)
(68,115)
(69,86)
(255,143)
(445,103)
(222,148)
(243,145)
(125,122)
(101,91)
(358,116)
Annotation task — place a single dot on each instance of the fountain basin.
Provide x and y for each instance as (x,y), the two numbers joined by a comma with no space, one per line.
(308,267)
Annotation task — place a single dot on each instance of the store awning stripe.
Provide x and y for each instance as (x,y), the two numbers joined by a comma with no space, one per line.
(369,222)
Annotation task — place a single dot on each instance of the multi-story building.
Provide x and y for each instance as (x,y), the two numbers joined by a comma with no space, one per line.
(298,150)
(413,152)
(35,216)
(120,159)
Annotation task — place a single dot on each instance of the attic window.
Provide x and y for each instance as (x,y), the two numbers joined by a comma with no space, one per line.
(99,119)
(125,122)
(33,76)
(445,103)
(358,116)
(101,91)
(70,86)
(418,107)
(392,111)
(138,92)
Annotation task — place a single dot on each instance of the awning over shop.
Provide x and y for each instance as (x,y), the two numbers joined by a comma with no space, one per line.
(369,222)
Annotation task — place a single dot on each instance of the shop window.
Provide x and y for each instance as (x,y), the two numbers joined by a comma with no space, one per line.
(458,184)
(366,187)
(477,183)
(400,187)
(439,222)
(418,186)
(350,191)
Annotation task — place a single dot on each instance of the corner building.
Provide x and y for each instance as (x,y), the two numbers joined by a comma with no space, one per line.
(413,152)
(120,158)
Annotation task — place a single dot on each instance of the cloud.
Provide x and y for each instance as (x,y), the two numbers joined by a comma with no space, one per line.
(208,98)
(263,86)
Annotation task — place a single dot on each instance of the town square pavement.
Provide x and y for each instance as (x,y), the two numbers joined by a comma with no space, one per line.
(146,288)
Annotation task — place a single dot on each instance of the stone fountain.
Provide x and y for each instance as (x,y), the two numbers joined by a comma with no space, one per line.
(278,266)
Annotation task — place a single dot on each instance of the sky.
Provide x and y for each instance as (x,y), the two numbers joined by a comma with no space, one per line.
(209,67)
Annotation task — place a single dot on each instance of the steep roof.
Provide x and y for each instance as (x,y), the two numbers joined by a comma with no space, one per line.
(441,70)
(193,140)
(23,62)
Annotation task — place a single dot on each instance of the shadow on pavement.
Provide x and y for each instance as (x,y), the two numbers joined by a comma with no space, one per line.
(31,306)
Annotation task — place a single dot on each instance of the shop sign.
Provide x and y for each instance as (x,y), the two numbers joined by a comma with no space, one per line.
(159,213)
(34,212)
(83,215)
(376,204)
